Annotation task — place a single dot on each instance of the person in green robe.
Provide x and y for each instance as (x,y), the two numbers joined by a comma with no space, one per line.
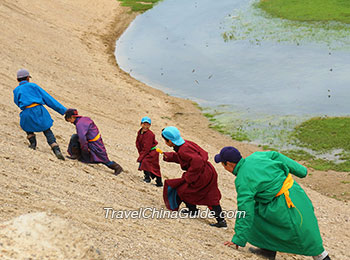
(279,216)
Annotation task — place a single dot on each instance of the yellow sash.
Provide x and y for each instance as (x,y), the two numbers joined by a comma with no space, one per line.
(287,184)
(33,105)
(96,138)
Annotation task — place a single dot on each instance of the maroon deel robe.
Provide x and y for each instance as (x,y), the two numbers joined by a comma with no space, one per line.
(198,184)
(149,160)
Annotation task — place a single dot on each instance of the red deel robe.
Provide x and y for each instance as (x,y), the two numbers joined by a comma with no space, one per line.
(198,184)
(149,159)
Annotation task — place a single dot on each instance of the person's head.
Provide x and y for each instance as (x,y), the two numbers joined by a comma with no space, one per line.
(70,115)
(23,75)
(172,137)
(145,123)
(228,157)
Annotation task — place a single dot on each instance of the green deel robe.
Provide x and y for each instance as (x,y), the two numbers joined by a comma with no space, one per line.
(268,222)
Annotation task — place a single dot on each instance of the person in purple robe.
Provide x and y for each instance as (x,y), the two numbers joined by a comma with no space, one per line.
(87,145)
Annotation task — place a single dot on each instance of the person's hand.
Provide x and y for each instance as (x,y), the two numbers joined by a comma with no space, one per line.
(229,243)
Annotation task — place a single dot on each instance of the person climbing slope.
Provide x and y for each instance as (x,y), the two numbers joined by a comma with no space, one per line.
(87,145)
(31,98)
(148,157)
(279,216)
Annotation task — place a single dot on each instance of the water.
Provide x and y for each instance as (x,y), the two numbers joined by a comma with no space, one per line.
(262,75)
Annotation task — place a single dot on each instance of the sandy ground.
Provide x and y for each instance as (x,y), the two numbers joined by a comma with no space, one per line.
(51,209)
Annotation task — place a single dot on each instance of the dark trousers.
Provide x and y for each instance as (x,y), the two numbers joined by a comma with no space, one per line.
(149,175)
(74,149)
(50,137)
(217,210)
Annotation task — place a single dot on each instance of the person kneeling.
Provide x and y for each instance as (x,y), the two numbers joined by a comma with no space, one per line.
(87,145)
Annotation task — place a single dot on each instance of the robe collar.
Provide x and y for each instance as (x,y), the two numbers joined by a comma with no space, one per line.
(176,148)
(23,82)
(238,166)
(77,119)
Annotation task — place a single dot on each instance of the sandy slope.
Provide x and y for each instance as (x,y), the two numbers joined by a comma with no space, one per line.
(67,47)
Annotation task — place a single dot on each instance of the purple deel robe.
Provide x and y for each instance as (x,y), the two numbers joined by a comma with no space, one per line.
(92,152)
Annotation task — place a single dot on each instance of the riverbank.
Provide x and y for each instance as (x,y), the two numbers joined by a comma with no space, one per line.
(308,11)
(68,48)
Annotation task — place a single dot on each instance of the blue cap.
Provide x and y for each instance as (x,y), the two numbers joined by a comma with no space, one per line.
(228,154)
(173,134)
(146,119)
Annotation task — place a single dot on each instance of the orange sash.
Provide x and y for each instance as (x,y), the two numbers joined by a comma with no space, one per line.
(287,184)
(33,105)
(96,138)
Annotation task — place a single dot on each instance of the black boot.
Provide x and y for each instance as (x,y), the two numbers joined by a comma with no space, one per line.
(147,177)
(116,167)
(76,153)
(32,141)
(192,210)
(268,254)
(219,224)
(159,182)
(57,151)
(327,258)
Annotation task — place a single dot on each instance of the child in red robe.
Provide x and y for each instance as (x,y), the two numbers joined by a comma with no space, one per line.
(198,185)
(148,157)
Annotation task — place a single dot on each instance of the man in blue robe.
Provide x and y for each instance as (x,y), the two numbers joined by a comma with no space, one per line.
(31,98)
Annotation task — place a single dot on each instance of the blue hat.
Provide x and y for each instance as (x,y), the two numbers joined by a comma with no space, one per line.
(228,154)
(146,119)
(173,134)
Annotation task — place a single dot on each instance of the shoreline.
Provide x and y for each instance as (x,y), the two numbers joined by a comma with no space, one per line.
(63,46)
(313,179)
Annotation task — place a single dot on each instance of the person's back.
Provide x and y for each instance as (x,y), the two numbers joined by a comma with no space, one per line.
(27,93)
(278,215)
(34,117)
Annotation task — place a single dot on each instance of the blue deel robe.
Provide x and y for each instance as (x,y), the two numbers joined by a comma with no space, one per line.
(35,119)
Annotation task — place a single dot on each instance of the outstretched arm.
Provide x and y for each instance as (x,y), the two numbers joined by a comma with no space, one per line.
(244,222)
(51,102)
(171,157)
(294,167)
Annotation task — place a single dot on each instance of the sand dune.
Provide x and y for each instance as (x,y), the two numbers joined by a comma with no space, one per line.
(68,48)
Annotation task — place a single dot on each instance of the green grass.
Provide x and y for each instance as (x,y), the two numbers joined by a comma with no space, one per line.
(324,134)
(308,10)
(236,134)
(299,155)
(325,165)
(139,5)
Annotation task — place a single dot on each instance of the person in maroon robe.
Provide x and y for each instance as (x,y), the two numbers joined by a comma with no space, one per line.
(87,145)
(148,157)
(198,184)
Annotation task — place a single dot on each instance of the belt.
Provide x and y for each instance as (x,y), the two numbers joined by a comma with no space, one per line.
(33,105)
(287,184)
(95,138)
